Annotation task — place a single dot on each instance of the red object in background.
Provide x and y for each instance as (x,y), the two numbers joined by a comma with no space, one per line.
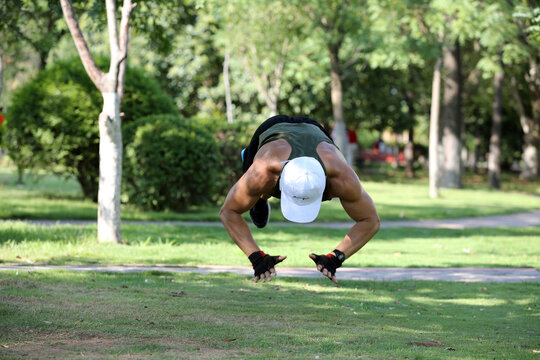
(1,119)
(351,134)
(374,155)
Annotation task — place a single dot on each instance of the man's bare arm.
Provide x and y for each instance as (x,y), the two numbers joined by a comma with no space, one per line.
(238,201)
(242,197)
(360,207)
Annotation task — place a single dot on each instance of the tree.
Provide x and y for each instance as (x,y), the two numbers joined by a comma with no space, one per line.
(434,131)
(452,117)
(342,26)
(110,85)
(527,94)
(259,35)
(494,161)
(35,23)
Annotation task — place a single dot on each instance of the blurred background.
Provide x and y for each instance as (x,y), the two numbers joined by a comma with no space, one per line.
(203,74)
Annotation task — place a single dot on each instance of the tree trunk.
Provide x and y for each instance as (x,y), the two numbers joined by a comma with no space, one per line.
(476,151)
(434,131)
(228,101)
(110,169)
(1,76)
(20,175)
(494,162)
(530,169)
(336,91)
(409,154)
(409,146)
(111,87)
(452,119)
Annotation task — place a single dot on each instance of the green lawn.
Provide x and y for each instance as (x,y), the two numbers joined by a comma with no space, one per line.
(152,244)
(52,197)
(55,314)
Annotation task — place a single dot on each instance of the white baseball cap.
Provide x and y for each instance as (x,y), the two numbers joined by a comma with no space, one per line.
(302,186)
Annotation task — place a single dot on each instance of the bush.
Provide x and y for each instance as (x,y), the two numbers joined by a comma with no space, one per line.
(53,119)
(169,163)
(231,139)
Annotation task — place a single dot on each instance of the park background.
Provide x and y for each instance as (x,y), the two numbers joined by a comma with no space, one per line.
(452,87)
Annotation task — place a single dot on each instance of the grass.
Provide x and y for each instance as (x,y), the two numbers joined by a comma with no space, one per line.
(52,197)
(173,244)
(155,315)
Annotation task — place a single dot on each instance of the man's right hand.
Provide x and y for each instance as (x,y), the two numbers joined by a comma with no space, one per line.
(263,265)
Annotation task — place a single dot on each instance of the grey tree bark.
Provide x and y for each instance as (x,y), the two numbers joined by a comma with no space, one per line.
(1,76)
(434,131)
(228,101)
(530,123)
(336,93)
(494,161)
(409,146)
(452,119)
(111,86)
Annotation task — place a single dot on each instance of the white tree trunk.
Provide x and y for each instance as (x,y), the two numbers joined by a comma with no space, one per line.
(110,169)
(111,86)
(494,160)
(228,101)
(336,93)
(530,162)
(1,76)
(452,119)
(434,131)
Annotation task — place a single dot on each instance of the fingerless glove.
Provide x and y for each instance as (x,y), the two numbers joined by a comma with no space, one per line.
(262,262)
(330,262)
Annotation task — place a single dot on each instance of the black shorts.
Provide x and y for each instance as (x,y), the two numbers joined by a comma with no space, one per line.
(248,154)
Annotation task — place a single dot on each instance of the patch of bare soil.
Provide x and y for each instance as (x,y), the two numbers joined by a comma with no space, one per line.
(57,345)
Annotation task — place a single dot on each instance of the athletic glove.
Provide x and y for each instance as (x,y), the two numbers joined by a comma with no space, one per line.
(262,262)
(330,262)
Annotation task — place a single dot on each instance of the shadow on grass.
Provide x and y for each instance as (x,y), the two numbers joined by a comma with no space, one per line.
(177,235)
(306,318)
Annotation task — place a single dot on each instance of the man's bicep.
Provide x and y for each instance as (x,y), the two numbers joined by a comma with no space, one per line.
(361,207)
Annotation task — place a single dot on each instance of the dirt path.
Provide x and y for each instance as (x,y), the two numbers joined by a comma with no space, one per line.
(513,220)
(346,273)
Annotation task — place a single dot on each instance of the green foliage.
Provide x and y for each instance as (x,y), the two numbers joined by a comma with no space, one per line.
(53,120)
(231,139)
(169,163)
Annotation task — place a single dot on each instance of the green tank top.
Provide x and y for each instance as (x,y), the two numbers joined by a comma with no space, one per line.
(303,138)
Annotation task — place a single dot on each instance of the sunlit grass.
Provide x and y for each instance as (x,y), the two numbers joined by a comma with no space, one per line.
(52,197)
(399,247)
(170,316)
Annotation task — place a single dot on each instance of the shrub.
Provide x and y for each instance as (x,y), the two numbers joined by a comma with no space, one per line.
(169,163)
(231,139)
(53,119)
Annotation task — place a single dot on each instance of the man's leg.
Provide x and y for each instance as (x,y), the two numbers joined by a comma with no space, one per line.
(260,213)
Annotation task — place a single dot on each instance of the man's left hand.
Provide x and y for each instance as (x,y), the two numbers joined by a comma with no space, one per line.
(327,264)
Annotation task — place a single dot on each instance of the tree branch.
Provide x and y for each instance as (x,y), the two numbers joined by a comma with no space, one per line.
(95,74)
(127,8)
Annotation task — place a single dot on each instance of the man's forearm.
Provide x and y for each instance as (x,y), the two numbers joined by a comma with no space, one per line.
(239,231)
(359,235)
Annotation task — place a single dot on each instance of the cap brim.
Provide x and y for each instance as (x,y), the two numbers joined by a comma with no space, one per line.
(299,213)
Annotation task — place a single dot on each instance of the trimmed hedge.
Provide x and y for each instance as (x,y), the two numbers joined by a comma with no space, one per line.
(169,163)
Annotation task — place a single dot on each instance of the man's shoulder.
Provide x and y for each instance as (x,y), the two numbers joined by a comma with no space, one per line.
(262,175)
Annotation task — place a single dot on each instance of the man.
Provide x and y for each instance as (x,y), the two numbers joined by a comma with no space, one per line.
(296,160)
